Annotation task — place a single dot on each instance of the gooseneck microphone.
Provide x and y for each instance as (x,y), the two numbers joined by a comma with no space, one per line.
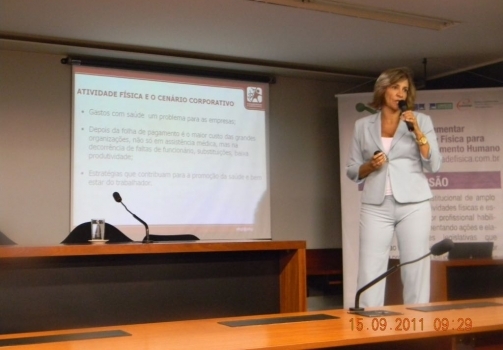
(442,247)
(403,107)
(118,199)
(360,107)
(439,248)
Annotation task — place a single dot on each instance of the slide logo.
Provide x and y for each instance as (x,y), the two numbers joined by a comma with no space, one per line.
(254,97)
(254,94)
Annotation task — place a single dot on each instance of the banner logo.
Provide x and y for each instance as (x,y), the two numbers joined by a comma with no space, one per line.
(441,105)
(465,103)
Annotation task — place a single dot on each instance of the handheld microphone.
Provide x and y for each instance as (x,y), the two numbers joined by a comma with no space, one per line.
(403,107)
(438,248)
(118,199)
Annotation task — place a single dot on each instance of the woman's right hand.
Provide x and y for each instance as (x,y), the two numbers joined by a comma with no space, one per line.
(378,160)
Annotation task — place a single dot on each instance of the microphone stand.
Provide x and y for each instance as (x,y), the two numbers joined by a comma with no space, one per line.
(360,311)
(147,236)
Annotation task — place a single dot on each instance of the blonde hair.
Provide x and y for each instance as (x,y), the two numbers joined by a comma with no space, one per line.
(390,77)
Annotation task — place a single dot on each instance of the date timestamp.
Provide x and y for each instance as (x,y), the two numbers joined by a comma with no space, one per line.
(406,324)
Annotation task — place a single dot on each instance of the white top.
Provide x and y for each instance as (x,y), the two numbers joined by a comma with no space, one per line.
(386,142)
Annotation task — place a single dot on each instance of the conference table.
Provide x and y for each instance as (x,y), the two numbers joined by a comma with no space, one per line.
(479,322)
(45,288)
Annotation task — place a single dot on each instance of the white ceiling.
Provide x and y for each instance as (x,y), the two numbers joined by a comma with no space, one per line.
(274,38)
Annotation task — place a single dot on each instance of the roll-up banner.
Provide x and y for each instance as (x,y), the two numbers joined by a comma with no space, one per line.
(467,203)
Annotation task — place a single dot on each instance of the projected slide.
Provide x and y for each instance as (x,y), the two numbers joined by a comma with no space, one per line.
(186,154)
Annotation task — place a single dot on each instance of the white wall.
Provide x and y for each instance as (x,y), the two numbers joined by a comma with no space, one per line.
(35,107)
(35,135)
(304,158)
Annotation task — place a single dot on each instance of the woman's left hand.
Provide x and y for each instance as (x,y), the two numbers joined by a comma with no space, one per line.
(409,117)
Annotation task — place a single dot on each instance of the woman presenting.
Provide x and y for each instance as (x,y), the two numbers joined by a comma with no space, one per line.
(390,151)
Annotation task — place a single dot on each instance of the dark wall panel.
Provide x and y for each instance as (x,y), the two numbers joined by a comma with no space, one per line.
(59,293)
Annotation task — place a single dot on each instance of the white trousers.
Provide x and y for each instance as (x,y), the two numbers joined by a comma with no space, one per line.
(411,223)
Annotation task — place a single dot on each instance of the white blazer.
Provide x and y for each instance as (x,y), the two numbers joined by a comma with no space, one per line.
(405,163)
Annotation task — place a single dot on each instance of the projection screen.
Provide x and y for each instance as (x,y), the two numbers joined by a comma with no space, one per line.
(188,155)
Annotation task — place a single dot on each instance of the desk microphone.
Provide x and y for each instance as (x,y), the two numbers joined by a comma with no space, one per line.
(438,248)
(403,107)
(118,199)
(360,107)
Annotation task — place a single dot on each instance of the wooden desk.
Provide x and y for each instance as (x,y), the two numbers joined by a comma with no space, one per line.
(454,280)
(47,288)
(466,278)
(483,324)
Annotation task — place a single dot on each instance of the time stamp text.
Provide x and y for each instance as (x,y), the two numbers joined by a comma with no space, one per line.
(406,324)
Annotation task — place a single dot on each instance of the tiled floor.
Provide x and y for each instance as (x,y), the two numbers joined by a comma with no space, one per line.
(323,296)
(324,302)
